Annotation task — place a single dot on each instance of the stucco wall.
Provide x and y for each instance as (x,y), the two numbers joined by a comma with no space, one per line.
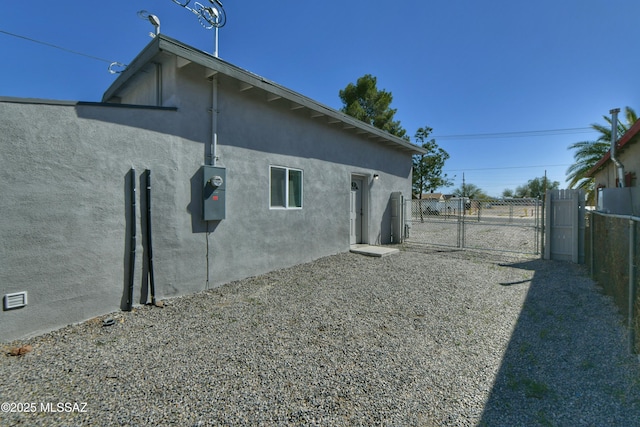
(253,134)
(631,161)
(328,157)
(64,181)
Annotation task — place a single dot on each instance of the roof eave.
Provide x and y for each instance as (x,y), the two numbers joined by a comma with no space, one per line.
(162,43)
(629,136)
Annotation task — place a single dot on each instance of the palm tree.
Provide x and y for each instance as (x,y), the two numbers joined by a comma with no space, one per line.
(588,153)
(471,191)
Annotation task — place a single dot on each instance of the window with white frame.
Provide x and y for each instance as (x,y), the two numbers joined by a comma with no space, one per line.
(285,188)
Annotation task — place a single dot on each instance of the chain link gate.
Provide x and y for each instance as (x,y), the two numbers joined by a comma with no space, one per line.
(507,225)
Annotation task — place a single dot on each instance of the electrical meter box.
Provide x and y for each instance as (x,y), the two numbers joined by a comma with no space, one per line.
(213,192)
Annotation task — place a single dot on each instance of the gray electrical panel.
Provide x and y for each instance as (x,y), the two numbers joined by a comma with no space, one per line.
(213,192)
(615,200)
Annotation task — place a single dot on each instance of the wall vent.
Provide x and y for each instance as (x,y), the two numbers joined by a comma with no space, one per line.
(15,300)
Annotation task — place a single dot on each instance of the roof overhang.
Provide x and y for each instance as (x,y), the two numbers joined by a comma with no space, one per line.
(246,80)
(630,136)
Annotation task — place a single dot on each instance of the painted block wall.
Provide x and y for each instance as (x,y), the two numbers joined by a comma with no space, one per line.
(254,134)
(65,210)
(64,180)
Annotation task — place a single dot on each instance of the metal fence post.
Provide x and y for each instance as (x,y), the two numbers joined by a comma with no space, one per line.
(546,242)
(543,225)
(464,215)
(632,280)
(459,242)
(592,221)
(536,227)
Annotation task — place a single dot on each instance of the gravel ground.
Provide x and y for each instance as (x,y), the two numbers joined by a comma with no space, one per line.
(422,338)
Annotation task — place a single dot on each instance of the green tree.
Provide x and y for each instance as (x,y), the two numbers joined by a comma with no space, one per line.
(535,188)
(588,153)
(427,168)
(365,102)
(471,191)
(508,193)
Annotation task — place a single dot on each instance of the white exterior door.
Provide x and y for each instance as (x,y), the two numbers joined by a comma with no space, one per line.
(355,211)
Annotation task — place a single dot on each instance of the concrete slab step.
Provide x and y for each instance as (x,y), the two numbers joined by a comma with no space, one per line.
(375,251)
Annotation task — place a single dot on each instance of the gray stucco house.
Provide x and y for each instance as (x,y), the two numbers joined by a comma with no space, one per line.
(247,177)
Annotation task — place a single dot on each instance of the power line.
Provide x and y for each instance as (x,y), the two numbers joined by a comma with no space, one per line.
(522,134)
(62,48)
(505,167)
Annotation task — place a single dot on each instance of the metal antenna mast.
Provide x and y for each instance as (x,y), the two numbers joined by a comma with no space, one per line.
(212,16)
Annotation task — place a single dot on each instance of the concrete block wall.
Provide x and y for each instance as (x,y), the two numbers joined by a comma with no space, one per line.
(64,180)
(64,177)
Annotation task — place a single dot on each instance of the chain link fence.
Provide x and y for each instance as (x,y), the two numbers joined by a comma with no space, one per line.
(612,251)
(510,225)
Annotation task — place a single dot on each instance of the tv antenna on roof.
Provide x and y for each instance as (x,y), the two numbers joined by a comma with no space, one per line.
(212,16)
(155,21)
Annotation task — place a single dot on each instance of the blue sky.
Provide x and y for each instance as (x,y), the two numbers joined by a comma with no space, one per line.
(462,67)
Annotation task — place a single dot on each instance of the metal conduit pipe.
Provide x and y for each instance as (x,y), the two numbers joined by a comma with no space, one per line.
(214,120)
(614,140)
(213,155)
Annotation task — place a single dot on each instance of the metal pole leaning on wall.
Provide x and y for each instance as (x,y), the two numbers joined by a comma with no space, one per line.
(151,282)
(132,252)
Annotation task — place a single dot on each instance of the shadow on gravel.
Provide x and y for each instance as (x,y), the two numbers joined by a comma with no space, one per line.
(567,362)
